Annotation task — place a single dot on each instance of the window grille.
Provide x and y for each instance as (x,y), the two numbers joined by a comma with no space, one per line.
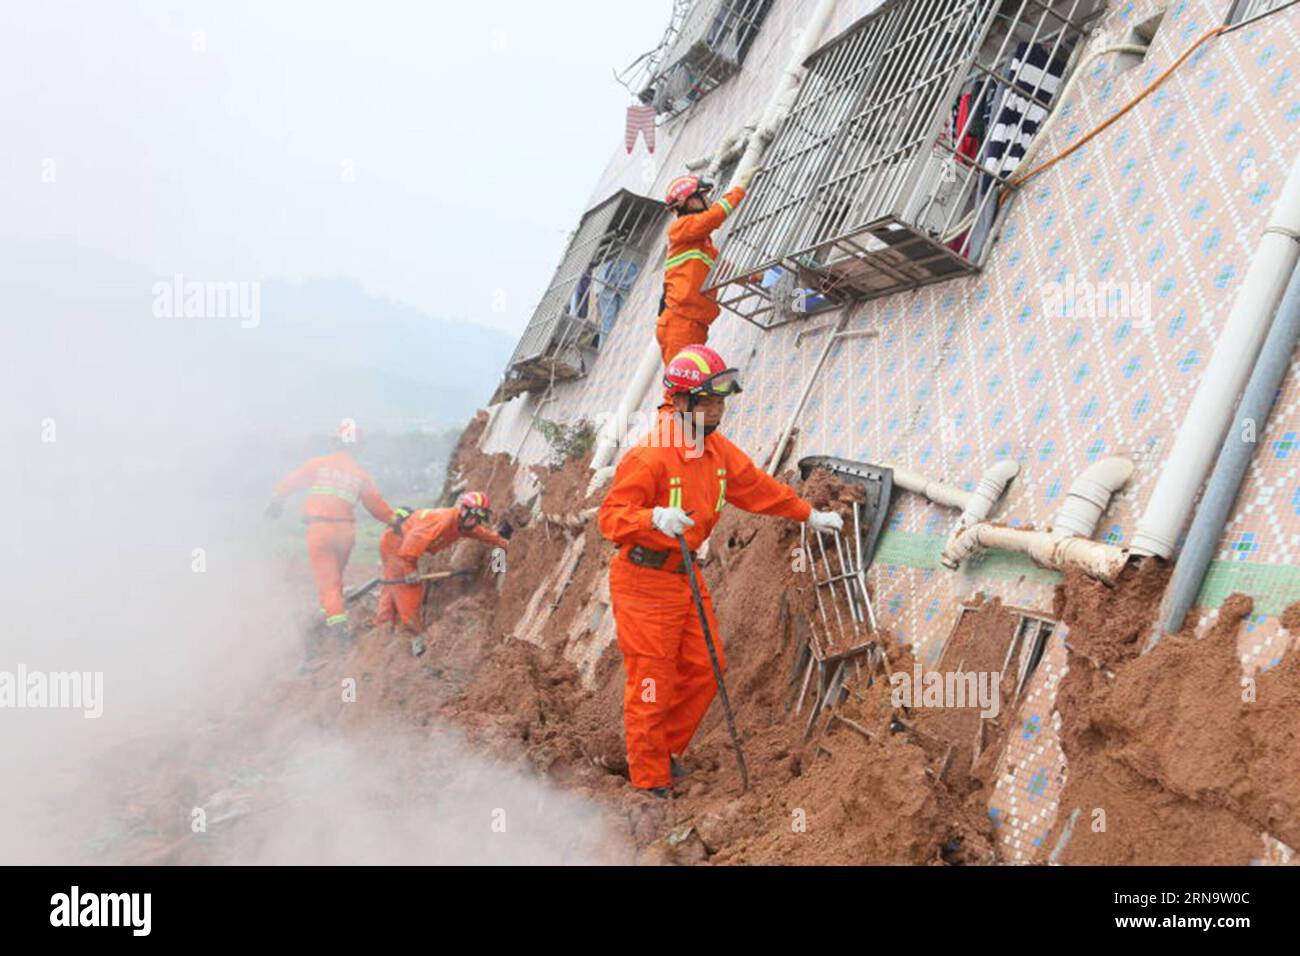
(710,46)
(879,181)
(1244,10)
(583,300)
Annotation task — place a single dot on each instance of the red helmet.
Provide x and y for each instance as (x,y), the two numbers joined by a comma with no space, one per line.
(683,188)
(475,503)
(698,370)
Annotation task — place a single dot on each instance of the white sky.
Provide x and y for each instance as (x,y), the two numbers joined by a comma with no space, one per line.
(475,132)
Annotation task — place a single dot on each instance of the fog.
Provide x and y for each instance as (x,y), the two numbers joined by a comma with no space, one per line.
(138,548)
(139,448)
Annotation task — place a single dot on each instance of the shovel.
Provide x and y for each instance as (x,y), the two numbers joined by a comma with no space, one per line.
(713,656)
(361,590)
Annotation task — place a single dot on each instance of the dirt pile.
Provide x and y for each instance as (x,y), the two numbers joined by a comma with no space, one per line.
(471,470)
(839,796)
(523,665)
(1175,756)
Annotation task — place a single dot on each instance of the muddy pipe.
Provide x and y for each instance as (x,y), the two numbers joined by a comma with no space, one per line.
(1230,469)
(1102,561)
(1069,542)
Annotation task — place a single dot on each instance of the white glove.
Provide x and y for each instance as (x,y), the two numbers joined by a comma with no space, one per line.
(826,521)
(742,179)
(671,521)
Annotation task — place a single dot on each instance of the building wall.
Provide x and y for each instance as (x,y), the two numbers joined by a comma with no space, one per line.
(962,374)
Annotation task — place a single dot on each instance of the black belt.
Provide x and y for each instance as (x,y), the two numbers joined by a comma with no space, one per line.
(308,519)
(647,558)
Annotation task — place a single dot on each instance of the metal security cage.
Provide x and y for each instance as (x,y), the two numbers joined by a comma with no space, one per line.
(580,306)
(1243,11)
(711,44)
(889,171)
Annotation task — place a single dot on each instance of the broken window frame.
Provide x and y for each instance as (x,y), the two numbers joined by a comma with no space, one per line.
(560,343)
(897,73)
(1035,625)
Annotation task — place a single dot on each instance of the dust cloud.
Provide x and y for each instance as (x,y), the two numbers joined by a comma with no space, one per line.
(139,455)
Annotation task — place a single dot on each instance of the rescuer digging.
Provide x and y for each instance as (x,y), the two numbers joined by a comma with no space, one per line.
(675,482)
(427,531)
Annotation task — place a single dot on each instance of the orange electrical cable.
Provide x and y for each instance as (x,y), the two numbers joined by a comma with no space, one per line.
(1111,119)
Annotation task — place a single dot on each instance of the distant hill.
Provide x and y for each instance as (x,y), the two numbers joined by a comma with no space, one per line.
(377,360)
(81,330)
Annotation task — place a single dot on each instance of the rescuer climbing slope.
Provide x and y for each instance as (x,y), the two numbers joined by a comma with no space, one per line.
(686,312)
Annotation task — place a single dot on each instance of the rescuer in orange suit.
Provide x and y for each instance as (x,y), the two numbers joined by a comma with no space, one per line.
(675,481)
(429,530)
(389,542)
(334,484)
(685,312)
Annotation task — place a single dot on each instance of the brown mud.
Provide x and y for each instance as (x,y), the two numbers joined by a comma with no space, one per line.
(1185,771)
(1175,756)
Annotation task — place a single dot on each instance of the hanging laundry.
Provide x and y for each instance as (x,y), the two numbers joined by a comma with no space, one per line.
(613,279)
(1033,81)
(967,144)
(964,135)
(1013,120)
(640,121)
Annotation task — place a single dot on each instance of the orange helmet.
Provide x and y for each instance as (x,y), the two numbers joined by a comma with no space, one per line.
(683,188)
(698,370)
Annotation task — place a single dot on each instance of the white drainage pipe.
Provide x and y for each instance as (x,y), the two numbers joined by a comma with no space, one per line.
(1212,407)
(1102,561)
(1068,542)
(1090,495)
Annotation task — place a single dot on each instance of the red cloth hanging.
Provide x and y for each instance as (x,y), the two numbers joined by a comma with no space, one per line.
(640,120)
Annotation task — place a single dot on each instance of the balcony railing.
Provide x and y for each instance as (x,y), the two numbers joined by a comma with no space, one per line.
(603,259)
(889,171)
(710,46)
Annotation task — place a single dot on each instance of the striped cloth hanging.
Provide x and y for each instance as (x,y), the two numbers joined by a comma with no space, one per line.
(640,120)
(1016,117)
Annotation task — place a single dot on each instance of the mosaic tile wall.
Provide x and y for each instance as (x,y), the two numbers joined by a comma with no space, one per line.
(1170,200)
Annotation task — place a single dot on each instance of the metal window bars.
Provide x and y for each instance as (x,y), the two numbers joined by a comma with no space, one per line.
(1243,11)
(844,628)
(1027,646)
(710,46)
(603,259)
(870,187)
(638,76)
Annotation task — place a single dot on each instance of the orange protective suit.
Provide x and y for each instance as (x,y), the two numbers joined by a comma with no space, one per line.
(334,484)
(670,681)
(428,530)
(686,312)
